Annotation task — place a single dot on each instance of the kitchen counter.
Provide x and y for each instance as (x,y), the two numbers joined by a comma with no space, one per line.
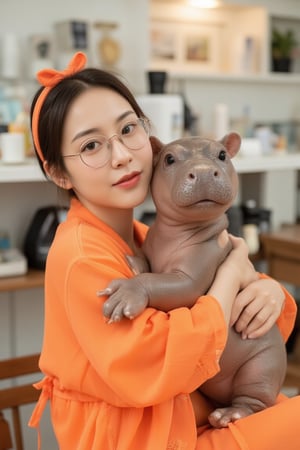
(30,170)
(266,163)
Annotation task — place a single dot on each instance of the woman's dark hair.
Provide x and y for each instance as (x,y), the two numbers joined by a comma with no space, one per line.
(57,103)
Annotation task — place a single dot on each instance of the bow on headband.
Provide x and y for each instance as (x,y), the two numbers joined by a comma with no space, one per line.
(50,78)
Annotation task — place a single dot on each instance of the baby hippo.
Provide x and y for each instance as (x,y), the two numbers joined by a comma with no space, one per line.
(194,183)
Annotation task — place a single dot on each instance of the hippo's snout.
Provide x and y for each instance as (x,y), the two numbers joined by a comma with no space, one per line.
(195,172)
(203,182)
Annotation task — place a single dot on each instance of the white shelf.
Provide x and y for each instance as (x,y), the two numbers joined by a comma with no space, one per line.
(267,163)
(270,78)
(31,172)
(17,173)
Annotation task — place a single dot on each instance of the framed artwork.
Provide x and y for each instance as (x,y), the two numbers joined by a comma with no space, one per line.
(183,46)
(163,44)
(197,48)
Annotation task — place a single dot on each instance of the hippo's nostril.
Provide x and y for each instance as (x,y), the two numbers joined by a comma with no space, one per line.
(192,176)
(216,173)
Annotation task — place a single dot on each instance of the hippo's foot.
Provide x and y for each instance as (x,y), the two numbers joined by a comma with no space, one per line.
(221,417)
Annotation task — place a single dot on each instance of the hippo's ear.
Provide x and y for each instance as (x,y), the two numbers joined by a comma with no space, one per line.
(156,145)
(232,142)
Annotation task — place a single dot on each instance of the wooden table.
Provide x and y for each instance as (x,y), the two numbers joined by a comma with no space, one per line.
(282,252)
(32,279)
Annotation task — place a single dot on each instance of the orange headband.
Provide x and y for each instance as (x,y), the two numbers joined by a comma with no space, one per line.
(50,78)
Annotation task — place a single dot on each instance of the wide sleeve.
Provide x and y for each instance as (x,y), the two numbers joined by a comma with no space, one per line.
(286,320)
(151,358)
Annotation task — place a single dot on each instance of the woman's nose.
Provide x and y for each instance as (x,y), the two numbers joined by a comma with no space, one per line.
(120,154)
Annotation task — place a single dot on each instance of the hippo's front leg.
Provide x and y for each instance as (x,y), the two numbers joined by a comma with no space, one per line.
(127,298)
(138,264)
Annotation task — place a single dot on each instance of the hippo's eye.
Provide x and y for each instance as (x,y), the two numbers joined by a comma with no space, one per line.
(222,155)
(169,159)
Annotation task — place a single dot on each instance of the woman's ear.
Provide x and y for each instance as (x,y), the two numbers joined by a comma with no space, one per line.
(61,180)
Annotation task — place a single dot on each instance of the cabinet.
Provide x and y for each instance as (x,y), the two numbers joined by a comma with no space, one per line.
(21,304)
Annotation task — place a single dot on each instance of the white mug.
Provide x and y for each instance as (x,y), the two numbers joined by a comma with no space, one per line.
(12,147)
(266,137)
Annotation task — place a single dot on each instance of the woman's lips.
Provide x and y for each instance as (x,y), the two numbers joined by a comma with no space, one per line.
(129,180)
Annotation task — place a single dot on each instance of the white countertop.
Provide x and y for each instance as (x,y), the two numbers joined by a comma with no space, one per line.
(266,163)
(17,173)
(30,171)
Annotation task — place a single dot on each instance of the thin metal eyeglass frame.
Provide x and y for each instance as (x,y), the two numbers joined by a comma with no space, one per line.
(144,123)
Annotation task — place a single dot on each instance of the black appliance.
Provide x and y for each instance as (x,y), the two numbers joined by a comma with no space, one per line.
(40,234)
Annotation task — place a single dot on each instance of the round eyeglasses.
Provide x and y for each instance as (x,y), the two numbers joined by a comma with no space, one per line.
(95,152)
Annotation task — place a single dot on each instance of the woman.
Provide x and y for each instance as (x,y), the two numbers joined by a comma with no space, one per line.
(129,386)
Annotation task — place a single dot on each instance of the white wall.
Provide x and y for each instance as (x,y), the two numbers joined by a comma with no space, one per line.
(39,16)
(266,102)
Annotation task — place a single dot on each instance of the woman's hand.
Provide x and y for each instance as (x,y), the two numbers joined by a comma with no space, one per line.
(235,273)
(257,307)
(239,263)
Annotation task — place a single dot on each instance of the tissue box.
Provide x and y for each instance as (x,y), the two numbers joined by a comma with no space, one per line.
(250,147)
(12,263)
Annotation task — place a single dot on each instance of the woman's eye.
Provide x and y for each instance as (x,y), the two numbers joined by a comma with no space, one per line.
(222,155)
(92,146)
(169,159)
(129,128)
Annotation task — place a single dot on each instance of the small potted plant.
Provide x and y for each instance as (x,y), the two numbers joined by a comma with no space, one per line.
(283,44)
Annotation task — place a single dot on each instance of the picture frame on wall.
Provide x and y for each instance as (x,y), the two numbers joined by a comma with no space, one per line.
(184,46)
(164,47)
(197,48)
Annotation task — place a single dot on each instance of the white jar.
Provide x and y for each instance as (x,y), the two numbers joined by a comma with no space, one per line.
(12,147)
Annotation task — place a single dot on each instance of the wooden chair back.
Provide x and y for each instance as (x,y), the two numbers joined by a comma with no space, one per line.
(13,397)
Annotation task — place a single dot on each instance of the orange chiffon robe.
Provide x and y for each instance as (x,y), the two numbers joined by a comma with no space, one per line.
(126,386)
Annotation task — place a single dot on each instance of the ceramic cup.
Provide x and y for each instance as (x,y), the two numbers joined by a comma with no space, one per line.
(267,139)
(12,147)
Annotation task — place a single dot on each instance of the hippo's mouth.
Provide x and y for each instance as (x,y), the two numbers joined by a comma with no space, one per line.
(205,202)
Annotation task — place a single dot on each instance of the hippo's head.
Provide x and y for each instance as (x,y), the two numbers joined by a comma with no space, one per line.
(194,177)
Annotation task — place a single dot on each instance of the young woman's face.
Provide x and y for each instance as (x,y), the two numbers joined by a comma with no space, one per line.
(123,181)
